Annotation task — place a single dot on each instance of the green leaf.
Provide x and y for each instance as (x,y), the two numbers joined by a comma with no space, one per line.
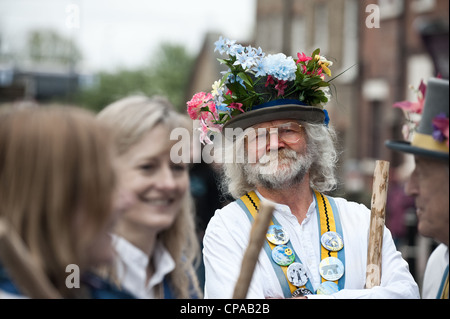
(314,81)
(316,51)
(224,78)
(245,78)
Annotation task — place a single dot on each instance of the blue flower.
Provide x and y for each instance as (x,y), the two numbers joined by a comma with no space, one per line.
(223,108)
(280,66)
(245,61)
(259,68)
(221,45)
(232,79)
(235,49)
(259,52)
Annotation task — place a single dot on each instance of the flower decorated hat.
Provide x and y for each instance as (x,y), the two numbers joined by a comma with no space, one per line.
(430,136)
(258,88)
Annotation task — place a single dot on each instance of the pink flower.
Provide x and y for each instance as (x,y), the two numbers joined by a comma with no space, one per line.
(319,73)
(305,70)
(197,103)
(209,111)
(269,80)
(237,106)
(414,107)
(281,86)
(206,126)
(204,133)
(422,89)
(303,57)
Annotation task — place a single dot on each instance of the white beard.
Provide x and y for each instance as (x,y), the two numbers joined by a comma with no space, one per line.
(278,170)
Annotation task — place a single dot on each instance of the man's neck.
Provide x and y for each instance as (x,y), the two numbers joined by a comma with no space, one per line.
(298,198)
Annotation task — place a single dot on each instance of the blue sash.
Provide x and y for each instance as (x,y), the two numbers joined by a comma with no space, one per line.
(326,212)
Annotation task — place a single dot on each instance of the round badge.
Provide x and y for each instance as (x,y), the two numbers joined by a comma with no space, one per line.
(277,235)
(331,268)
(301,292)
(332,241)
(283,255)
(327,288)
(296,273)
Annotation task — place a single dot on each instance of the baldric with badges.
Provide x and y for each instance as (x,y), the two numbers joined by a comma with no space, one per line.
(291,272)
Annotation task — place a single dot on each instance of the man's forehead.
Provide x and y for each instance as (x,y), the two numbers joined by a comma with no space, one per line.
(273,123)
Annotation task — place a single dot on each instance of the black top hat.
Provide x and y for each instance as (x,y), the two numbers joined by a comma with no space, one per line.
(423,143)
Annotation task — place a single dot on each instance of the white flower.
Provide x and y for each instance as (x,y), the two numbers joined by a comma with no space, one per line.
(327,93)
(217,89)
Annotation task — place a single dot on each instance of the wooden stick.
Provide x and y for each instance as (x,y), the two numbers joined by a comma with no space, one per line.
(16,258)
(377,221)
(257,238)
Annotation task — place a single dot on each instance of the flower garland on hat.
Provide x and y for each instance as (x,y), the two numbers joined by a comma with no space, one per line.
(254,78)
(413,111)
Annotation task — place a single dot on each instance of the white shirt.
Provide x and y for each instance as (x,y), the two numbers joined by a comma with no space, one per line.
(436,265)
(132,267)
(227,237)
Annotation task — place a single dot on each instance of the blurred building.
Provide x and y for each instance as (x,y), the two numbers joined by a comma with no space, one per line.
(410,45)
(393,57)
(45,69)
(35,84)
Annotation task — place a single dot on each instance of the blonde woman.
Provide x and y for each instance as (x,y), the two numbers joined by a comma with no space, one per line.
(155,239)
(57,184)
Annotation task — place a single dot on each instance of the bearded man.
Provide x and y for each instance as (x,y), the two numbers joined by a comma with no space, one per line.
(317,244)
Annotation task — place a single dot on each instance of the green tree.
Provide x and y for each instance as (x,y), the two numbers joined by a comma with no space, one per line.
(170,73)
(167,74)
(50,46)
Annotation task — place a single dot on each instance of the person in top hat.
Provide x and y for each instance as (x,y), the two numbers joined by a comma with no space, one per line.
(278,146)
(428,183)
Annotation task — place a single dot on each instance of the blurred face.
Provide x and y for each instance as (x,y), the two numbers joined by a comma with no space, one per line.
(281,154)
(428,184)
(101,250)
(157,184)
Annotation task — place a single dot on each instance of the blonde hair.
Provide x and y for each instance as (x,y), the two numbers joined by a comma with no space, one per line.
(55,167)
(131,118)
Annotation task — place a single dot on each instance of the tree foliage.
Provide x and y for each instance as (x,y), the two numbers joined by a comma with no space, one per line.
(167,74)
(49,46)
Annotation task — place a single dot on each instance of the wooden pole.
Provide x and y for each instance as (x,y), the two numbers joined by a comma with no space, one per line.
(377,221)
(257,238)
(16,258)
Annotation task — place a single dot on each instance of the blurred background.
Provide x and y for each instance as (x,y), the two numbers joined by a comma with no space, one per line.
(90,53)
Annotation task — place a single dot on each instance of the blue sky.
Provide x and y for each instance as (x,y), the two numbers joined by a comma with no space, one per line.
(124,33)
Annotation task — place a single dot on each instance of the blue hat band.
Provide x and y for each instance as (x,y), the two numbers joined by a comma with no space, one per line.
(285,102)
(278,102)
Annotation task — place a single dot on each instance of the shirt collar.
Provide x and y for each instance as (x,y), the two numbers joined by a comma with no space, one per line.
(164,264)
(285,210)
(163,261)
